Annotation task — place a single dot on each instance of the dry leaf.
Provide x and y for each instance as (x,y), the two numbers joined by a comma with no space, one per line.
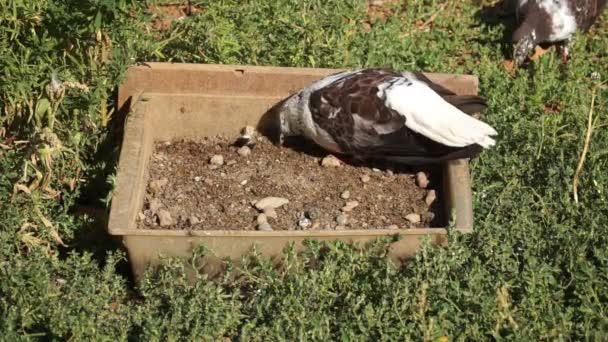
(509,66)
(51,228)
(21,187)
(538,52)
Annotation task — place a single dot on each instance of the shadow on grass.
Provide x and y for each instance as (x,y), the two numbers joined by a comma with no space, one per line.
(501,13)
(93,236)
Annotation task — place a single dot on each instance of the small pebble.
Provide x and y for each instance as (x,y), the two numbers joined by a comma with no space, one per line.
(217,159)
(231,162)
(244,151)
(315,225)
(261,219)
(271,202)
(141,216)
(330,161)
(304,222)
(413,218)
(422,180)
(393,226)
(270,212)
(341,220)
(389,172)
(248,131)
(158,184)
(312,213)
(345,195)
(365,178)
(208,181)
(154,205)
(192,220)
(264,227)
(350,205)
(430,197)
(243,182)
(375,170)
(164,218)
(197,178)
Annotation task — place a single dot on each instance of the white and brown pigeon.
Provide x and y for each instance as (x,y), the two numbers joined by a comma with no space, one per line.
(552,22)
(383,114)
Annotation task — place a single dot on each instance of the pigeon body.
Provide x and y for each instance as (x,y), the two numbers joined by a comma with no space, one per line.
(552,22)
(380,113)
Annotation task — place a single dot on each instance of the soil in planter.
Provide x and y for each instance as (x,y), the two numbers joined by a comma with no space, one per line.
(212,184)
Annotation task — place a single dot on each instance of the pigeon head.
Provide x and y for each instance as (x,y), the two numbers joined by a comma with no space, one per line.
(274,124)
(525,39)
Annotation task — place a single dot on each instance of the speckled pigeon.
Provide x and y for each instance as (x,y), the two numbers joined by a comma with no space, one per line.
(383,114)
(552,22)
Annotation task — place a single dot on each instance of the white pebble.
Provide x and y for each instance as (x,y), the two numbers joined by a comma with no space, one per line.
(342,220)
(413,218)
(430,197)
(141,216)
(350,205)
(271,202)
(244,151)
(158,184)
(154,205)
(375,170)
(243,182)
(217,159)
(164,218)
(261,219)
(270,212)
(304,222)
(330,161)
(193,220)
(197,178)
(248,131)
(345,195)
(422,180)
(365,178)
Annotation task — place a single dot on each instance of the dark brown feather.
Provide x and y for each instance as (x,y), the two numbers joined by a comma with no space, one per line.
(353,111)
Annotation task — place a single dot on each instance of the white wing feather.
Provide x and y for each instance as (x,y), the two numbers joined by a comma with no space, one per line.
(430,115)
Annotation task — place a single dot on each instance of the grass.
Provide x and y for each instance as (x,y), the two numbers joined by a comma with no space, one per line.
(534,268)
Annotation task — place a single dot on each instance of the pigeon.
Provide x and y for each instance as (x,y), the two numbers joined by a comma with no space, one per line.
(382,114)
(552,22)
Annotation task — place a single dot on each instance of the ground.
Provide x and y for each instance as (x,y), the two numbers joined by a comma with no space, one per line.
(189,189)
(534,267)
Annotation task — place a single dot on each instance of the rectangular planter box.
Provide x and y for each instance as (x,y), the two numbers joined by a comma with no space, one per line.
(172,101)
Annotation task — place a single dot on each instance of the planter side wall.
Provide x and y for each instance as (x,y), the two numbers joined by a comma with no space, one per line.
(190,101)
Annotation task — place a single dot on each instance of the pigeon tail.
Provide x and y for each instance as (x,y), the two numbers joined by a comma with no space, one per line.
(429,114)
